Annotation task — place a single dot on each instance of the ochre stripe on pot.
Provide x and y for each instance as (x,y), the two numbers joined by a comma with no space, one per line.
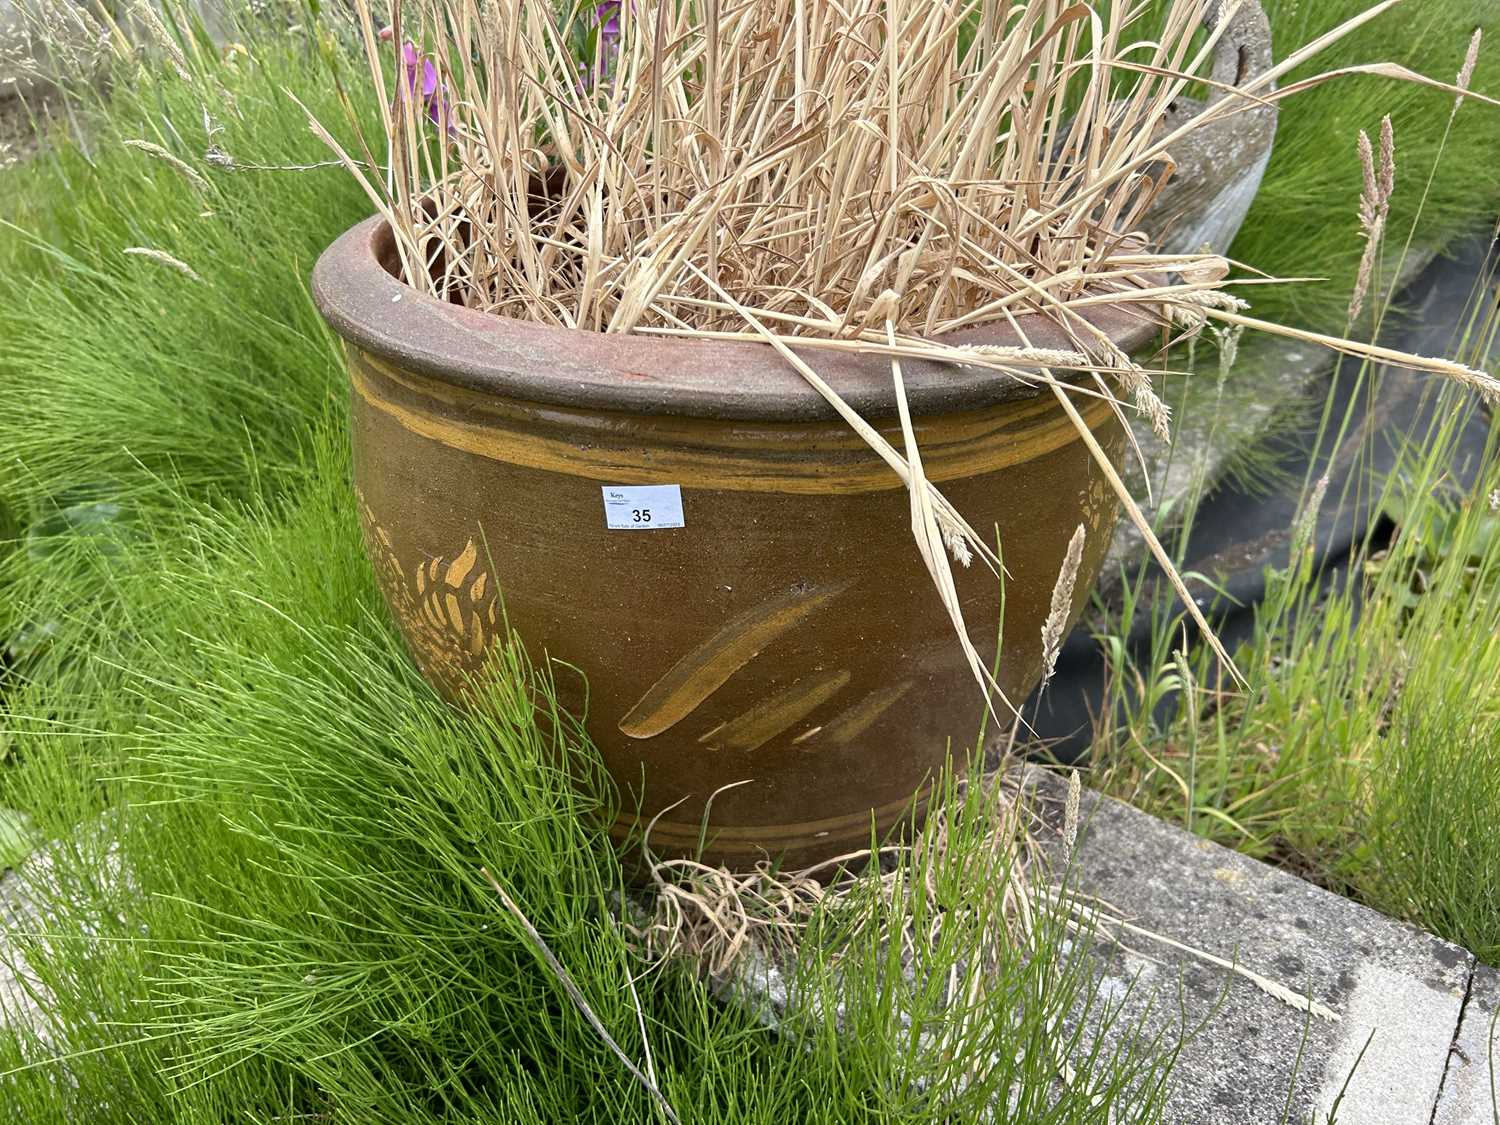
(700,672)
(848,725)
(753,728)
(814,458)
(687,429)
(855,825)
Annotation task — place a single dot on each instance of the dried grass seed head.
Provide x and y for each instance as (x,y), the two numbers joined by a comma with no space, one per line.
(842,164)
(815,170)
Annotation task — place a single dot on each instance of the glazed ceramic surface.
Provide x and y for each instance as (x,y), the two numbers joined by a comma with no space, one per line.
(786,635)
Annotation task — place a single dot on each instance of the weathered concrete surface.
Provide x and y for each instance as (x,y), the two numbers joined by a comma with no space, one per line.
(1471,1090)
(1215,420)
(1220,165)
(1250,1058)
(1378,1048)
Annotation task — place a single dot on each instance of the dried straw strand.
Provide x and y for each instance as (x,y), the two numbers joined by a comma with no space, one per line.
(869,176)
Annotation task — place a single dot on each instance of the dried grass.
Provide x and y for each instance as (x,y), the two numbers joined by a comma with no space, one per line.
(1374,206)
(162,258)
(843,165)
(1055,627)
(1466,71)
(873,176)
(728,923)
(181,167)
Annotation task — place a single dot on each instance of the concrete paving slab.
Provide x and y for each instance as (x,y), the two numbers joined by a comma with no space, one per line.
(1250,1058)
(1471,1089)
(1408,1041)
(1380,1002)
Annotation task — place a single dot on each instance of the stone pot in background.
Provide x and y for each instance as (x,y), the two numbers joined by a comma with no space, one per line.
(1218,167)
(762,616)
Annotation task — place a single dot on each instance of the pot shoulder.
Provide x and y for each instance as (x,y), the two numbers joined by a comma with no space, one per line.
(360,296)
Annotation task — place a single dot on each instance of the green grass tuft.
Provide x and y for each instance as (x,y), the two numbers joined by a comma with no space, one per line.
(1363,752)
(294,918)
(1305,218)
(265,830)
(125,376)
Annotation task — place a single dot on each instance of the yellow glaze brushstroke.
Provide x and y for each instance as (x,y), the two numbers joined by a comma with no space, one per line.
(850,724)
(701,672)
(752,729)
(730,468)
(854,826)
(459,569)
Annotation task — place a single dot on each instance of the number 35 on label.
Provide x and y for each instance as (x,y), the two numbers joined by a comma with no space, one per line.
(642,507)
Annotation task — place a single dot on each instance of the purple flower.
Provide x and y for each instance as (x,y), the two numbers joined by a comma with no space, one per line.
(421,75)
(607,16)
(607,21)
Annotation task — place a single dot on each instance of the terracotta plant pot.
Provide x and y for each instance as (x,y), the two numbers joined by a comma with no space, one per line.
(787,633)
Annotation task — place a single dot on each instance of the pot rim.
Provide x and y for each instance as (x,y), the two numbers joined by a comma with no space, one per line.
(370,308)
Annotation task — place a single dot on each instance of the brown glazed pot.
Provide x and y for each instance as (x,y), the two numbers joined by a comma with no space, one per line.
(787,635)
